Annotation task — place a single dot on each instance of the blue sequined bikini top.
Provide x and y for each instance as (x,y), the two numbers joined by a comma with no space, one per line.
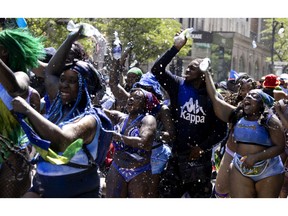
(133,131)
(251,132)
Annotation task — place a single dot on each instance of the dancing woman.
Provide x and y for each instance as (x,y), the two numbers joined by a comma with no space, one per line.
(257,170)
(72,126)
(19,52)
(130,172)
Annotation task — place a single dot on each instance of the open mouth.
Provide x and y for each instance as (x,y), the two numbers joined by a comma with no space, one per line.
(64,94)
(129,104)
(247,104)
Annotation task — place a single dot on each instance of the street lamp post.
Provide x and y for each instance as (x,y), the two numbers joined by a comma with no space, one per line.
(281,30)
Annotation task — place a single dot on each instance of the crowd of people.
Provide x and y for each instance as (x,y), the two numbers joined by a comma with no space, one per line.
(64,127)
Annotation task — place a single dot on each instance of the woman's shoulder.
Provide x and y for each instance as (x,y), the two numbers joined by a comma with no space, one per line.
(149,118)
(273,121)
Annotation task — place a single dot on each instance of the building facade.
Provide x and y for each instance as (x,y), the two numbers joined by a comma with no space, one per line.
(231,43)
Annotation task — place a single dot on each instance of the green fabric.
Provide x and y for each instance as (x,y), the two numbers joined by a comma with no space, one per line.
(12,130)
(54,158)
(9,129)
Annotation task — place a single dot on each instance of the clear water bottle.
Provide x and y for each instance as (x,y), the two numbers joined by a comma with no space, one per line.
(117,47)
(88,30)
(205,65)
(187,33)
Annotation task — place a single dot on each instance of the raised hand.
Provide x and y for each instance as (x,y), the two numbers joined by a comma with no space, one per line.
(179,40)
(126,52)
(76,35)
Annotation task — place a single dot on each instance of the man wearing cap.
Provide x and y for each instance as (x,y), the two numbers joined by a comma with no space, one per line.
(197,128)
(133,76)
(271,82)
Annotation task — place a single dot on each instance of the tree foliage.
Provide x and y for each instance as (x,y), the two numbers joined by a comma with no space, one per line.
(281,41)
(150,36)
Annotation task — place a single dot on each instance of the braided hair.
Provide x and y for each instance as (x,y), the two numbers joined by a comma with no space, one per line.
(89,84)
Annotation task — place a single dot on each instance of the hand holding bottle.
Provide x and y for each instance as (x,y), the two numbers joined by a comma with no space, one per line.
(86,30)
(126,52)
(205,65)
(181,39)
(116,47)
(76,35)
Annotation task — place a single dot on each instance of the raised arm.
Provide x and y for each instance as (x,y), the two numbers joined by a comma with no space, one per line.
(222,109)
(16,84)
(118,91)
(161,63)
(57,62)
(116,72)
(40,70)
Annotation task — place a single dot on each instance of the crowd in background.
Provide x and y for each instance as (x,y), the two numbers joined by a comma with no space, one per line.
(67,125)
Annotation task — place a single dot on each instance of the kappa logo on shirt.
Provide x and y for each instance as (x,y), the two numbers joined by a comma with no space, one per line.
(192,112)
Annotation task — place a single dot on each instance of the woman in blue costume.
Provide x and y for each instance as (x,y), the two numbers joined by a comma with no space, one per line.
(70,119)
(221,188)
(161,149)
(256,170)
(165,128)
(19,52)
(130,172)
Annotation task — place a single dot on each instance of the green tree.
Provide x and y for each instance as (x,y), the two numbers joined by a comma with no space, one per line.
(150,36)
(281,41)
(54,31)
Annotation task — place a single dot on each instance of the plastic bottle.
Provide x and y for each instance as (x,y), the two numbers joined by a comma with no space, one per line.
(205,64)
(88,30)
(187,33)
(117,47)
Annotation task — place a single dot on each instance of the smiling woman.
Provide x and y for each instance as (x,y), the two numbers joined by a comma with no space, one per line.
(257,170)
(72,129)
(68,86)
(130,172)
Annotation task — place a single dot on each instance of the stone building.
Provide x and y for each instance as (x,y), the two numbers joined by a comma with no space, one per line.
(231,43)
